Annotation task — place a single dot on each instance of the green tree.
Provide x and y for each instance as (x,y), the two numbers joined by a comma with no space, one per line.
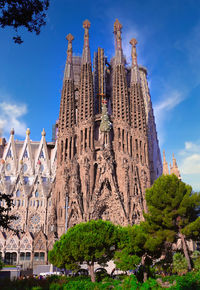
(179,264)
(23,13)
(173,212)
(5,217)
(136,247)
(90,242)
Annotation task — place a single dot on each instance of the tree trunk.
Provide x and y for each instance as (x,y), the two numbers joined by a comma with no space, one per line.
(91,270)
(144,269)
(185,250)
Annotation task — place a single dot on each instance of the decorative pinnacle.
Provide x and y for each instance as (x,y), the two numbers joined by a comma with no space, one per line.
(28,132)
(133,42)
(86,24)
(118,42)
(117,26)
(43,132)
(86,49)
(12,131)
(70,37)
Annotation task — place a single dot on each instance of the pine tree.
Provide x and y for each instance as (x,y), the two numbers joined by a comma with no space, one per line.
(90,242)
(173,212)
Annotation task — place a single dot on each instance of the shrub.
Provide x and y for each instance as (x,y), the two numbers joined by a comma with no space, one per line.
(150,284)
(179,264)
(196,260)
(55,286)
(131,282)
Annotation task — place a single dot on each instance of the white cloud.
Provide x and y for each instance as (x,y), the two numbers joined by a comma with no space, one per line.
(162,109)
(10,117)
(190,158)
(126,37)
(190,164)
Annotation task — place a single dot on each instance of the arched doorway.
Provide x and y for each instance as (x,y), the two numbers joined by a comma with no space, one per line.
(10,258)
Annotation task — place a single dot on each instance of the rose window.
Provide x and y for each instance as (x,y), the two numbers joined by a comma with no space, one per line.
(18,219)
(35,219)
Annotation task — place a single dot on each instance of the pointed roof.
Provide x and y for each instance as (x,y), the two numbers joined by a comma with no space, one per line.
(86,58)
(69,67)
(174,168)
(118,42)
(26,152)
(43,151)
(165,165)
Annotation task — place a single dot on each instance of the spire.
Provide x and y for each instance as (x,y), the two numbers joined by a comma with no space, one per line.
(86,97)
(86,48)
(68,67)
(118,42)
(174,168)
(135,77)
(165,165)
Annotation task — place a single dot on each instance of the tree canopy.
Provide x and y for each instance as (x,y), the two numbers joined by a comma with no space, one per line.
(29,14)
(5,217)
(173,211)
(90,242)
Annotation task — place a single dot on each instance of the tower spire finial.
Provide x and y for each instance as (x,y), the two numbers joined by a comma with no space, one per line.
(118,42)
(70,38)
(86,48)
(135,75)
(133,42)
(68,67)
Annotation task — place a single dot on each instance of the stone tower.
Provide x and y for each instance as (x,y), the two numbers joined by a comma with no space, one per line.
(104,145)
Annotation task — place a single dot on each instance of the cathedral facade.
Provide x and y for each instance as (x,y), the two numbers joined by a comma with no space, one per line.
(105,155)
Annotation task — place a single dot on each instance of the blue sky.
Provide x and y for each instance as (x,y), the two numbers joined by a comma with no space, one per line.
(168,34)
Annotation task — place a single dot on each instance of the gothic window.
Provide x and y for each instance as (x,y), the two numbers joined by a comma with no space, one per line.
(75,145)
(9,154)
(136,144)
(41,154)
(39,256)
(25,155)
(17,220)
(8,167)
(18,193)
(70,148)
(44,179)
(7,178)
(25,167)
(36,194)
(35,219)
(26,179)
